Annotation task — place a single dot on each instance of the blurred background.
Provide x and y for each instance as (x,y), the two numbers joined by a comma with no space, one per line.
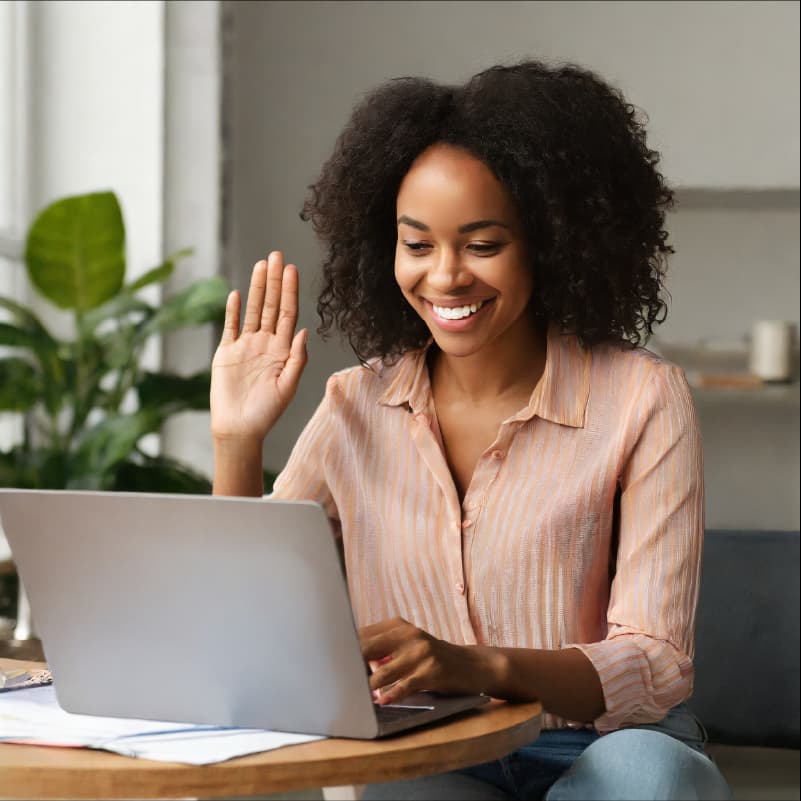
(210,119)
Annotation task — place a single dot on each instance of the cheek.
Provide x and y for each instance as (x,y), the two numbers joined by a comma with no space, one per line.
(406,275)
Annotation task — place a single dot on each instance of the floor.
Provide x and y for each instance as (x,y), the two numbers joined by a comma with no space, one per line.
(759,774)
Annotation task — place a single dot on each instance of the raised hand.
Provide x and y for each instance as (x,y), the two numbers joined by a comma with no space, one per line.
(256,371)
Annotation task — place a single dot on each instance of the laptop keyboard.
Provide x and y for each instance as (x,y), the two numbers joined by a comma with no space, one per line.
(389,714)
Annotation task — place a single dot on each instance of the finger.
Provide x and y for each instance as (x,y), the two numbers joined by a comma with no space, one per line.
(398,667)
(290,376)
(381,639)
(231,325)
(272,300)
(255,302)
(401,689)
(288,313)
(376,663)
(374,629)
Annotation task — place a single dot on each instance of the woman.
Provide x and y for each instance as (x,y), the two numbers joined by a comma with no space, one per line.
(517,484)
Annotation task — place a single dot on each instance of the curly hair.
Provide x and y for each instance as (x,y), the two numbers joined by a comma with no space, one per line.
(568,148)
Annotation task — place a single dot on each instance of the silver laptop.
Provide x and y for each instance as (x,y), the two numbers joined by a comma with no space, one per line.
(199,609)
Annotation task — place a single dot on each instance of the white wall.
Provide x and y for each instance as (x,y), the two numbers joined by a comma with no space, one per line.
(192,196)
(96,111)
(719,81)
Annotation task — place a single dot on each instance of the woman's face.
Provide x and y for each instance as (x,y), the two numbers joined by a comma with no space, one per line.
(460,259)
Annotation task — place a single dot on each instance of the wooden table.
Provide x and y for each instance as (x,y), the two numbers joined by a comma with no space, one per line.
(480,735)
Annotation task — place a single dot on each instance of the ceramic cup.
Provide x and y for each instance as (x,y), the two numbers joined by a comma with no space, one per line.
(771,350)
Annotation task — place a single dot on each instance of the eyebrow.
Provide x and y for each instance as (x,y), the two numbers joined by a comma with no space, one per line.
(463,229)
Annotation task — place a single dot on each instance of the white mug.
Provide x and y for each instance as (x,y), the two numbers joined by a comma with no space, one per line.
(771,351)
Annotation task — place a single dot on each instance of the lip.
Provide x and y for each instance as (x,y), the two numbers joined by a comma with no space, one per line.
(458,325)
(457,303)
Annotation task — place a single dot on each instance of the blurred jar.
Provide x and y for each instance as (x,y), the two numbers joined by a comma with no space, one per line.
(771,350)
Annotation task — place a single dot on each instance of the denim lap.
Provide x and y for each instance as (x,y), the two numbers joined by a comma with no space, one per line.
(664,760)
(532,769)
(552,761)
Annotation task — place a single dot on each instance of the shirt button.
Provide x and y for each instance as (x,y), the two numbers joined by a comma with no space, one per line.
(460,588)
(467,523)
(497,454)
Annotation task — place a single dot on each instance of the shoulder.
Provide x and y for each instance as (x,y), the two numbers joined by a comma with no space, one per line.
(639,374)
(621,357)
(363,382)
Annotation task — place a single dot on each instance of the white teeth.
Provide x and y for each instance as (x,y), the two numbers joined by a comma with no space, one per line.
(457,312)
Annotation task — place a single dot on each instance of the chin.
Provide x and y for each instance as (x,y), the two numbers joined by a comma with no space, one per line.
(452,347)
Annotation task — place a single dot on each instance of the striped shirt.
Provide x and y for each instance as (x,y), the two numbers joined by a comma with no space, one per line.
(582,525)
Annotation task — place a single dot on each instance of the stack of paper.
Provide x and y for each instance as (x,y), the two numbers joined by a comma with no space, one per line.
(34,717)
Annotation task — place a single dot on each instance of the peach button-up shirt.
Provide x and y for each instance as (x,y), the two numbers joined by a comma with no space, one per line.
(582,525)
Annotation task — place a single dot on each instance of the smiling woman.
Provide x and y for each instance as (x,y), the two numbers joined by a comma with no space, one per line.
(517,482)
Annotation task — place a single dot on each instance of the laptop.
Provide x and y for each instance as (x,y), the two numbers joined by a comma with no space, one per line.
(200,609)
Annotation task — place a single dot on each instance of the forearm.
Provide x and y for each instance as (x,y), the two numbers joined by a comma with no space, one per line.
(238,468)
(564,681)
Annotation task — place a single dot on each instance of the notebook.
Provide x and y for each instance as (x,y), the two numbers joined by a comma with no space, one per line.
(200,609)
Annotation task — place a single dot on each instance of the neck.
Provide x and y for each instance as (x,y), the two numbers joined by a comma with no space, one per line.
(510,366)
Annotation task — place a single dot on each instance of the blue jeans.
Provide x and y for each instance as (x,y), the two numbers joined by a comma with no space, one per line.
(664,760)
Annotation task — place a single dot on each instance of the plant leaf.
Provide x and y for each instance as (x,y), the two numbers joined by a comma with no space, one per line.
(37,468)
(13,471)
(75,251)
(14,337)
(160,273)
(41,344)
(174,393)
(202,302)
(107,444)
(24,317)
(118,347)
(120,305)
(20,385)
(160,474)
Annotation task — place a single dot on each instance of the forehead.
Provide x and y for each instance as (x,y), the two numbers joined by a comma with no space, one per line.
(446,183)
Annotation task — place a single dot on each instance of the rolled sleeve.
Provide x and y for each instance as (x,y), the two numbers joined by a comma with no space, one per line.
(645,662)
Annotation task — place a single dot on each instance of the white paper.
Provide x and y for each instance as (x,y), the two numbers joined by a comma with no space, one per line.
(34,716)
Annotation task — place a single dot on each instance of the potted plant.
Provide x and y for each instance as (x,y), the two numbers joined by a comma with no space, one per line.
(87,400)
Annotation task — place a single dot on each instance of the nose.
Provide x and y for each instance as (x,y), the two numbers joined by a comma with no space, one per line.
(447,272)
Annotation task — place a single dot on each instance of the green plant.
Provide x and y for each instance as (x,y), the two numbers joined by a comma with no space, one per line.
(75,392)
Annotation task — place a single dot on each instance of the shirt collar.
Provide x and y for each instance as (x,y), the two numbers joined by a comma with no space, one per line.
(560,396)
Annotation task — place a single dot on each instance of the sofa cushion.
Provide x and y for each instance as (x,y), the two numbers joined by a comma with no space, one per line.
(747,638)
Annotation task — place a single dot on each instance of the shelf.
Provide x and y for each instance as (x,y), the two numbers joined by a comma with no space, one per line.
(745,198)
(773,394)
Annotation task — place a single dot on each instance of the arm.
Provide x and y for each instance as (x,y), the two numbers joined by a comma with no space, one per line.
(407,660)
(645,662)
(255,374)
(564,681)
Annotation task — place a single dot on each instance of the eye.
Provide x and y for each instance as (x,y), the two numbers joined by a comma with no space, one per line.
(485,248)
(416,247)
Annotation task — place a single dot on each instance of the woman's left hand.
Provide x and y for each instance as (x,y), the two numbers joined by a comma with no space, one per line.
(406,660)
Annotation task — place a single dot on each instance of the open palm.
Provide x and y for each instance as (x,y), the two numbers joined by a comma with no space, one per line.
(256,371)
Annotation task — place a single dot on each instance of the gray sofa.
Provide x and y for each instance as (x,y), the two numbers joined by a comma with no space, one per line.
(747,659)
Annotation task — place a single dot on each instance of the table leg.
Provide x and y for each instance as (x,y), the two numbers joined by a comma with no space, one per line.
(351,792)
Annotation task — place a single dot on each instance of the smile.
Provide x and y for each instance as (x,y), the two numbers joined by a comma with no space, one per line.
(459,318)
(456,312)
